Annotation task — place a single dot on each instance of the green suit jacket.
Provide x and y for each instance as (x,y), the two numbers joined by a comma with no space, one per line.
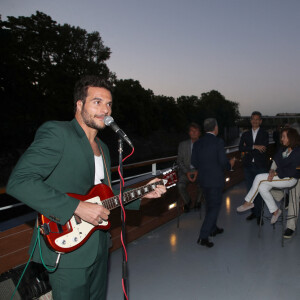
(60,160)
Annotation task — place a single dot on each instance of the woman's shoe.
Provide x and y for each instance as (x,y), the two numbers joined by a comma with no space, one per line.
(244,207)
(275,217)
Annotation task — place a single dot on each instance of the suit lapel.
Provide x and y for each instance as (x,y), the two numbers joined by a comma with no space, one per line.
(257,136)
(86,148)
(188,146)
(189,153)
(251,136)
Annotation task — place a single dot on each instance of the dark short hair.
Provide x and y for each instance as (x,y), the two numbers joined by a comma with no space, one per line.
(256,113)
(194,125)
(210,124)
(293,137)
(82,85)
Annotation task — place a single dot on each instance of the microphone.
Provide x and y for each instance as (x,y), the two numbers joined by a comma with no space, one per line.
(109,121)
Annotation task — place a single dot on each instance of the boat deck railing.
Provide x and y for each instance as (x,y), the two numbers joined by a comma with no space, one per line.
(18,219)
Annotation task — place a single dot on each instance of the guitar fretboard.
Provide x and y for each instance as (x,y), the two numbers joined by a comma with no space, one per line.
(131,195)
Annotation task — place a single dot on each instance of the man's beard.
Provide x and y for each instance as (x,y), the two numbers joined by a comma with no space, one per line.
(89,121)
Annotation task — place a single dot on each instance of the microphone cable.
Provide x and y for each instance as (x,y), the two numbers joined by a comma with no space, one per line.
(122,183)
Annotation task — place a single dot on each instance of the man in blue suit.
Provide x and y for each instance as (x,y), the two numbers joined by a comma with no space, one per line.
(210,160)
(253,145)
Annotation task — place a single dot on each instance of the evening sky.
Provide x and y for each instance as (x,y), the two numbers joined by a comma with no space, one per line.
(248,50)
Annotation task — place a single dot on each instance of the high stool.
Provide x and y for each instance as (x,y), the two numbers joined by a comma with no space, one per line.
(179,208)
(284,216)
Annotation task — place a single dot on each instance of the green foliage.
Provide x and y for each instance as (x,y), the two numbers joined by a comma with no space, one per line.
(214,105)
(188,106)
(140,111)
(40,62)
(210,105)
(167,114)
(132,106)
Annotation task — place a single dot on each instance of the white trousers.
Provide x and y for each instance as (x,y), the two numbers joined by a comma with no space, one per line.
(263,186)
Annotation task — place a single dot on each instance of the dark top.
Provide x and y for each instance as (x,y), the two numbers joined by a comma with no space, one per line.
(246,145)
(209,158)
(286,167)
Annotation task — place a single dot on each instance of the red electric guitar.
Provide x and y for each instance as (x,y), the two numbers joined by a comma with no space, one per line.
(72,235)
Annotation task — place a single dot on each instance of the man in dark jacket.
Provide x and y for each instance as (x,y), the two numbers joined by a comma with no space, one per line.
(210,160)
(253,146)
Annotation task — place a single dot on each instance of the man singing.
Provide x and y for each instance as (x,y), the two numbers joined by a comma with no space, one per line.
(67,157)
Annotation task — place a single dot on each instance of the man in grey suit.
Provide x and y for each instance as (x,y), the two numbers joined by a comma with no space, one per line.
(186,172)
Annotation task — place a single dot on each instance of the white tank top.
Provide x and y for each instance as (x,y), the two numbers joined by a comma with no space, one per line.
(99,170)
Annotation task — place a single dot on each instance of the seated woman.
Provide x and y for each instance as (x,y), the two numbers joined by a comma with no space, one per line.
(283,174)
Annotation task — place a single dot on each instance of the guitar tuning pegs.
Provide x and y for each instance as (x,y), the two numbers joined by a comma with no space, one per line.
(168,171)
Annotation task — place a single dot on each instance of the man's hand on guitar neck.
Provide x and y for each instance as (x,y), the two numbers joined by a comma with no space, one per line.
(95,213)
(91,212)
(160,189)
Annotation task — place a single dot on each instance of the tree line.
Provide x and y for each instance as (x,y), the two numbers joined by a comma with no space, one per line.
(40,60)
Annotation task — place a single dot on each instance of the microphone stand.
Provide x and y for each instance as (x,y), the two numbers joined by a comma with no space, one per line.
(123,225)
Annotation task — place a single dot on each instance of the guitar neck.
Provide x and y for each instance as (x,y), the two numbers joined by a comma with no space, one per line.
(113,202)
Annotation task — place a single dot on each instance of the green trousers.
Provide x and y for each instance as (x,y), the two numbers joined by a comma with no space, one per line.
(81,283)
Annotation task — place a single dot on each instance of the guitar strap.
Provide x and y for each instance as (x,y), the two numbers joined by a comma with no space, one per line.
(104,159)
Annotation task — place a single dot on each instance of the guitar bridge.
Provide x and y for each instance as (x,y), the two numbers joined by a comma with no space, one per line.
(45,229)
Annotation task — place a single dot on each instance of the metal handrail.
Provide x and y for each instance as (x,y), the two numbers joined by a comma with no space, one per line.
(157,161)
(138,164)
(145,163)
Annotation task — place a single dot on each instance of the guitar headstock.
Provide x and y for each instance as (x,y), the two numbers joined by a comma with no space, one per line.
(169,178)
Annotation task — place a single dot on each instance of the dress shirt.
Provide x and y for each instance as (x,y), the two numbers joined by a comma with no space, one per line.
(254,134)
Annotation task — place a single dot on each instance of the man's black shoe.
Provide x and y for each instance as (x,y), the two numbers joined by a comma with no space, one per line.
(251,217)
(186,208)
(258,221)
(205,242)
(288,233)
(217,231)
